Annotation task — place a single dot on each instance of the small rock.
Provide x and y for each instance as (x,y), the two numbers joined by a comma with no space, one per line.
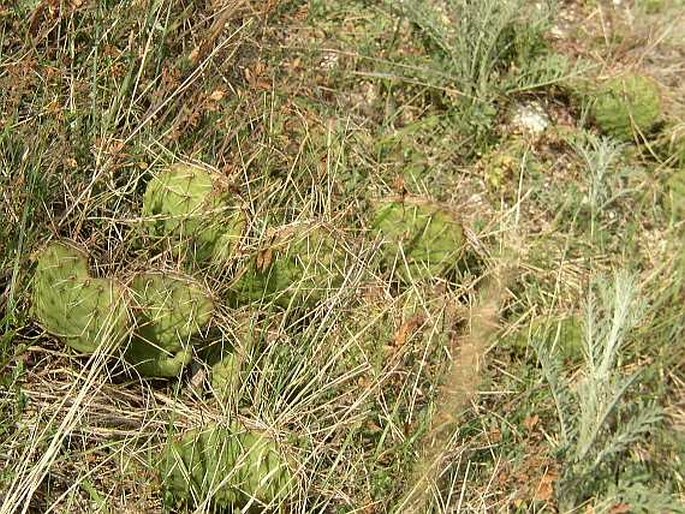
(530,117)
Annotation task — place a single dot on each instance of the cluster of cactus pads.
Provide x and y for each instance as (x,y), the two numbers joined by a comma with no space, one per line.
(227,467)
(157,314)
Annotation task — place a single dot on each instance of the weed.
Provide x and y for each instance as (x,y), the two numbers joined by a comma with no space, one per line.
(590,441)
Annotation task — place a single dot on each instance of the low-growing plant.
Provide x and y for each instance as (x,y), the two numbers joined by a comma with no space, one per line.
(169,309)
(226,467)
(600,157)
(627,107)
(299,267)
(487,45)
(189,208)
(420,239)
(592,443)
(86,312)
(226,375)
(564,335)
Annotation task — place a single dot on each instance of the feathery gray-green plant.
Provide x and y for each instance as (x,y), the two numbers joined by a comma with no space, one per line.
(599,421)
(600,155)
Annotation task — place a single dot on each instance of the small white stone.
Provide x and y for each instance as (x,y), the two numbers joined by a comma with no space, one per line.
(530,117)
(557,32)
(329,61)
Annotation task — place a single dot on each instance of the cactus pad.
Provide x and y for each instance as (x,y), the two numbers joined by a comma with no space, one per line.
(627,104)
(421,240)
(84,311)
(565,335)
(226,375)
(170,309)
(676,194)
(230,465)
(190,205)
(302,266)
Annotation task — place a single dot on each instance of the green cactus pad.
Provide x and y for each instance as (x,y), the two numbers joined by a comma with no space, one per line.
(676,194)
(420,240)
(229,465)
(304,264)
(226,375)
(85,312)
(626,105)
(191,205)
(254,285)
(170,309)
(566,334)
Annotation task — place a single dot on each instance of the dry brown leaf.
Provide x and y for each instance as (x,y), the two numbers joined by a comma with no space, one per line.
(406,330)
(531,422)
(545,490)
(264,259)
(620,508)
(217,95)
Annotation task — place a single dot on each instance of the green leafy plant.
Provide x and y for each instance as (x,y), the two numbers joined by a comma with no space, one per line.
(191,206)
(591,441)
(170,309)
(626,106)
(421,240)
(482,43)
(601,158)
(86,312)
(226,467)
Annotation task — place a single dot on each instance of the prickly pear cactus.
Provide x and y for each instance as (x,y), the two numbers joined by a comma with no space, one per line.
(627,105)
(190,204)
(421,240)
(565,335)
(86,312)
(302,266)
(254,285)
(226,376)
(229,466)
(676,194)
(170,309)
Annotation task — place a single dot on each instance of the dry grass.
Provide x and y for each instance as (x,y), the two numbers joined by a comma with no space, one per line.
(383,396)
